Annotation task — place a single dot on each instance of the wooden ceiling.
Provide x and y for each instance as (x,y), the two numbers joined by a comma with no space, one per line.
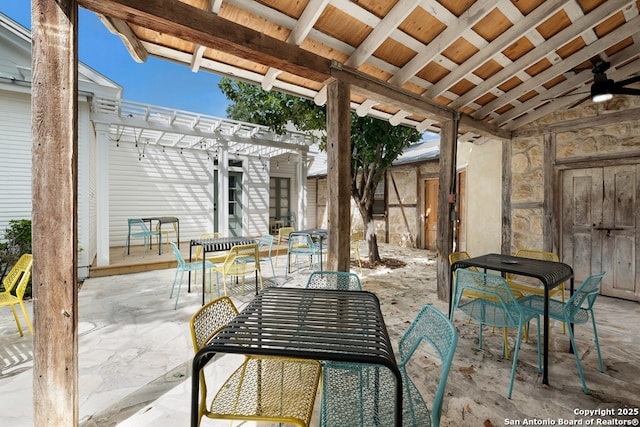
(500,64)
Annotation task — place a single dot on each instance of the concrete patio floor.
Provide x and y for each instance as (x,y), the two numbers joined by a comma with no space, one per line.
(135,352)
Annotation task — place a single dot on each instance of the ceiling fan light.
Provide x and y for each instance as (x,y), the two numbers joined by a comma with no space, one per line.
(602,89)
(601,97)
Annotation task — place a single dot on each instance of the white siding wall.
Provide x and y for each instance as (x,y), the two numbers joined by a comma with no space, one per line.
(159,184)
(86,251)
(255,197)
(312,203)
(15,157)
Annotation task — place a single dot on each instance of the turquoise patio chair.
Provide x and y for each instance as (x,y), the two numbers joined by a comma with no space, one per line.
(265,244)
(364,395)
(493,304)
(187,266)
(138,228)
(301,244)
(338,280)
(577,309)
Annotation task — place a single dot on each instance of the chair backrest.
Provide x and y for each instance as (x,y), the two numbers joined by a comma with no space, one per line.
(178,254)
(587,292)
(299,239)
(247,253)
(138,223)
(266,241)
(211,319)
(489,287)
(433,327)
(459,256)
(356,236)
(338,280)
(283,233)
(20,272)
(533,254)
(543,255)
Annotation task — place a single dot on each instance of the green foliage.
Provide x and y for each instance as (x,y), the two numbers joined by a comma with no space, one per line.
(274,109)
(17,242)
(375,143)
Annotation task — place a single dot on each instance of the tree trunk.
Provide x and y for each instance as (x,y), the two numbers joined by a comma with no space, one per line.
(370,237)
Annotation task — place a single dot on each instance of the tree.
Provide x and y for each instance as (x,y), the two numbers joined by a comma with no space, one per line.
(375,143)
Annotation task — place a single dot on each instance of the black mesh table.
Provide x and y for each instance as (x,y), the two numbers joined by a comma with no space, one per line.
(551,274)
(215,244)
(163,220)
(314,324)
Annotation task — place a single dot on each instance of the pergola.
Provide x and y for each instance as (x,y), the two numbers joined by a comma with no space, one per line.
(161,128)
(470,70)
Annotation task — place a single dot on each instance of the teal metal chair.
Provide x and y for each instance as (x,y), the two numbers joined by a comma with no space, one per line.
(493,304)
(364,395)
(187,266)
(301,244)
(138,228)
(338,280)
(577,309)
(266,244)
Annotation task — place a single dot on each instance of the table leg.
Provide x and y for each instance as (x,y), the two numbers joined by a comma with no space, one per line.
(204,279)
(571,324)
(545,367)
(178,237)
(160,238)
(189,274)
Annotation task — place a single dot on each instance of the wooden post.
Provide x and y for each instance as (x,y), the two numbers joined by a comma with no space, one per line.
(54,112)
(338,175)
(446,190)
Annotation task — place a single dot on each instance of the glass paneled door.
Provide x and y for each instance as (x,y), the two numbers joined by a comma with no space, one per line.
(235,203)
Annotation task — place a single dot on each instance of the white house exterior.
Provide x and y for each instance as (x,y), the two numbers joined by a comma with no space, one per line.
(136,160)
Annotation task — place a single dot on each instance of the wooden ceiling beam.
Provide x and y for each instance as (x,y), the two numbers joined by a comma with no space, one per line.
(120,28)
(507,38)
(385,93)
(205,28)
(551,45)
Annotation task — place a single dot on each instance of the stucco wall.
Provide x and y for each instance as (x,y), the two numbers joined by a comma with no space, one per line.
(483,164)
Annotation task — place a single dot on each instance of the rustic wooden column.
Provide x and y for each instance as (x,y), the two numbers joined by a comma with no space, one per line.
(54,112)
(446,202)
(338,175)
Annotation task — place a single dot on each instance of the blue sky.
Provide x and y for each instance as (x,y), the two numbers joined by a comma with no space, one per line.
(156,82)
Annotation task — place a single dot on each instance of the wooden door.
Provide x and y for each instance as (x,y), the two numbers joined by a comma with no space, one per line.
(599,226)
(430,213)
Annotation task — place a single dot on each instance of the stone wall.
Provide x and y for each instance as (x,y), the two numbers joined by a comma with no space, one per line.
(401,223)
(587,144)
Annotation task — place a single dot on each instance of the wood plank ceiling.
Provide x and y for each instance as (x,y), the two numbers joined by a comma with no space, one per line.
(500,63)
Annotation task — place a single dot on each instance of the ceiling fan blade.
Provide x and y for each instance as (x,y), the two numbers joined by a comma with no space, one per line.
(553,98)
(628,81)
(626,91)
(575,104)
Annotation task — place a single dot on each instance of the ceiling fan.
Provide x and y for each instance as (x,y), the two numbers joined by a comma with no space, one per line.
(604,88)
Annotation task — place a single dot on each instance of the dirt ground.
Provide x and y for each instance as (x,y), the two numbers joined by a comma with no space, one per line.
(476,393)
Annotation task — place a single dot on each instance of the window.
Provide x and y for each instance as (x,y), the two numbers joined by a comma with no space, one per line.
(379,199)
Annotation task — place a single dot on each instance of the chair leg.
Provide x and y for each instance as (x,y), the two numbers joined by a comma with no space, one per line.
(15,316)
(26,318)
(175,276)
(273,270)
(515,361)
(577,357)
(179,286)
(595,334)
